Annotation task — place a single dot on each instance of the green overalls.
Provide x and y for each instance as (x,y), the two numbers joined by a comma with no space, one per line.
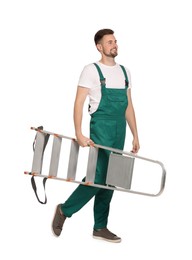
(107,128)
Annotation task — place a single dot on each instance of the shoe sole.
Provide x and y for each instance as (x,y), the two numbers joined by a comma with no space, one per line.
(108,240)
(52,223)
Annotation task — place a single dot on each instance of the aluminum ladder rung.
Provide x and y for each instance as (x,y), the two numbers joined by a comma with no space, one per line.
(73,158)
(55,155)
(91,166)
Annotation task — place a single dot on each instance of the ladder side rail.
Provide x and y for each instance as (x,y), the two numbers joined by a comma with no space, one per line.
(97,185)
(52,133)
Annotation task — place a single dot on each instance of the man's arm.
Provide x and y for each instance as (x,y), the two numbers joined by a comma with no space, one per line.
(131,120)
(78,116)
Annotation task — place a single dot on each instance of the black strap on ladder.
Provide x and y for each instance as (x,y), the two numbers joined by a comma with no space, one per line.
(33,177)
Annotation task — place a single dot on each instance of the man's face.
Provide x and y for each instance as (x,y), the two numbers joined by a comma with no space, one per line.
(108,46)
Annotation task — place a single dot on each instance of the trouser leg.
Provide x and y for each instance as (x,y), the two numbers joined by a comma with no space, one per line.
(81,195)
(101,208)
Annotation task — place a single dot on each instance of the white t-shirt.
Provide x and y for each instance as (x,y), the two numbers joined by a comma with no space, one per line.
(89,78)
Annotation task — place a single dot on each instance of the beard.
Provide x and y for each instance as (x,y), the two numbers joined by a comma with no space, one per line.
(112,54)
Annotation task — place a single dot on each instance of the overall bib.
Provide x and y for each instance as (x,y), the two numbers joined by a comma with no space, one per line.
(107,128)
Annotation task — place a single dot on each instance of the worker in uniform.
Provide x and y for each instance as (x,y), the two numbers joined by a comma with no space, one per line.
(108,86)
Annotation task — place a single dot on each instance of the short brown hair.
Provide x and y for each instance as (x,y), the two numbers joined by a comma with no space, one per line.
(99,35)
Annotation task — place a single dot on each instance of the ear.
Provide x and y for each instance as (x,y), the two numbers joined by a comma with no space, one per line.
(99,47)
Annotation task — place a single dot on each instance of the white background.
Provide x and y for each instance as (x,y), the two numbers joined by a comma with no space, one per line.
(43,48)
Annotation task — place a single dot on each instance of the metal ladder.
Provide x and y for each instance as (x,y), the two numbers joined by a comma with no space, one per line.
(120,167)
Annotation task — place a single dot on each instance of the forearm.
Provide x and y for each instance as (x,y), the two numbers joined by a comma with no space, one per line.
(131,120)
(78,115)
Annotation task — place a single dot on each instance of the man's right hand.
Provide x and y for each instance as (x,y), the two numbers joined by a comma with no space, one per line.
(84,141)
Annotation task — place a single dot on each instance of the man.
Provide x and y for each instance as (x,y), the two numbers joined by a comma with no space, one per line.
(107,84)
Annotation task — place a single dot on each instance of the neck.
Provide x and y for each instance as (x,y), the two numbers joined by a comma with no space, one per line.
(108,61)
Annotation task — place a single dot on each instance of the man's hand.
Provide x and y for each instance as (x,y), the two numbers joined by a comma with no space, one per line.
(84,141)
(136,145)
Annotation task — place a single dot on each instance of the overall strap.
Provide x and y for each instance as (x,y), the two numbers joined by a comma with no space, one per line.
(126,77)
(102,79)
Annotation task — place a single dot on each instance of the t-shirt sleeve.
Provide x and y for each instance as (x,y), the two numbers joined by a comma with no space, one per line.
(129,77)
(87,77)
